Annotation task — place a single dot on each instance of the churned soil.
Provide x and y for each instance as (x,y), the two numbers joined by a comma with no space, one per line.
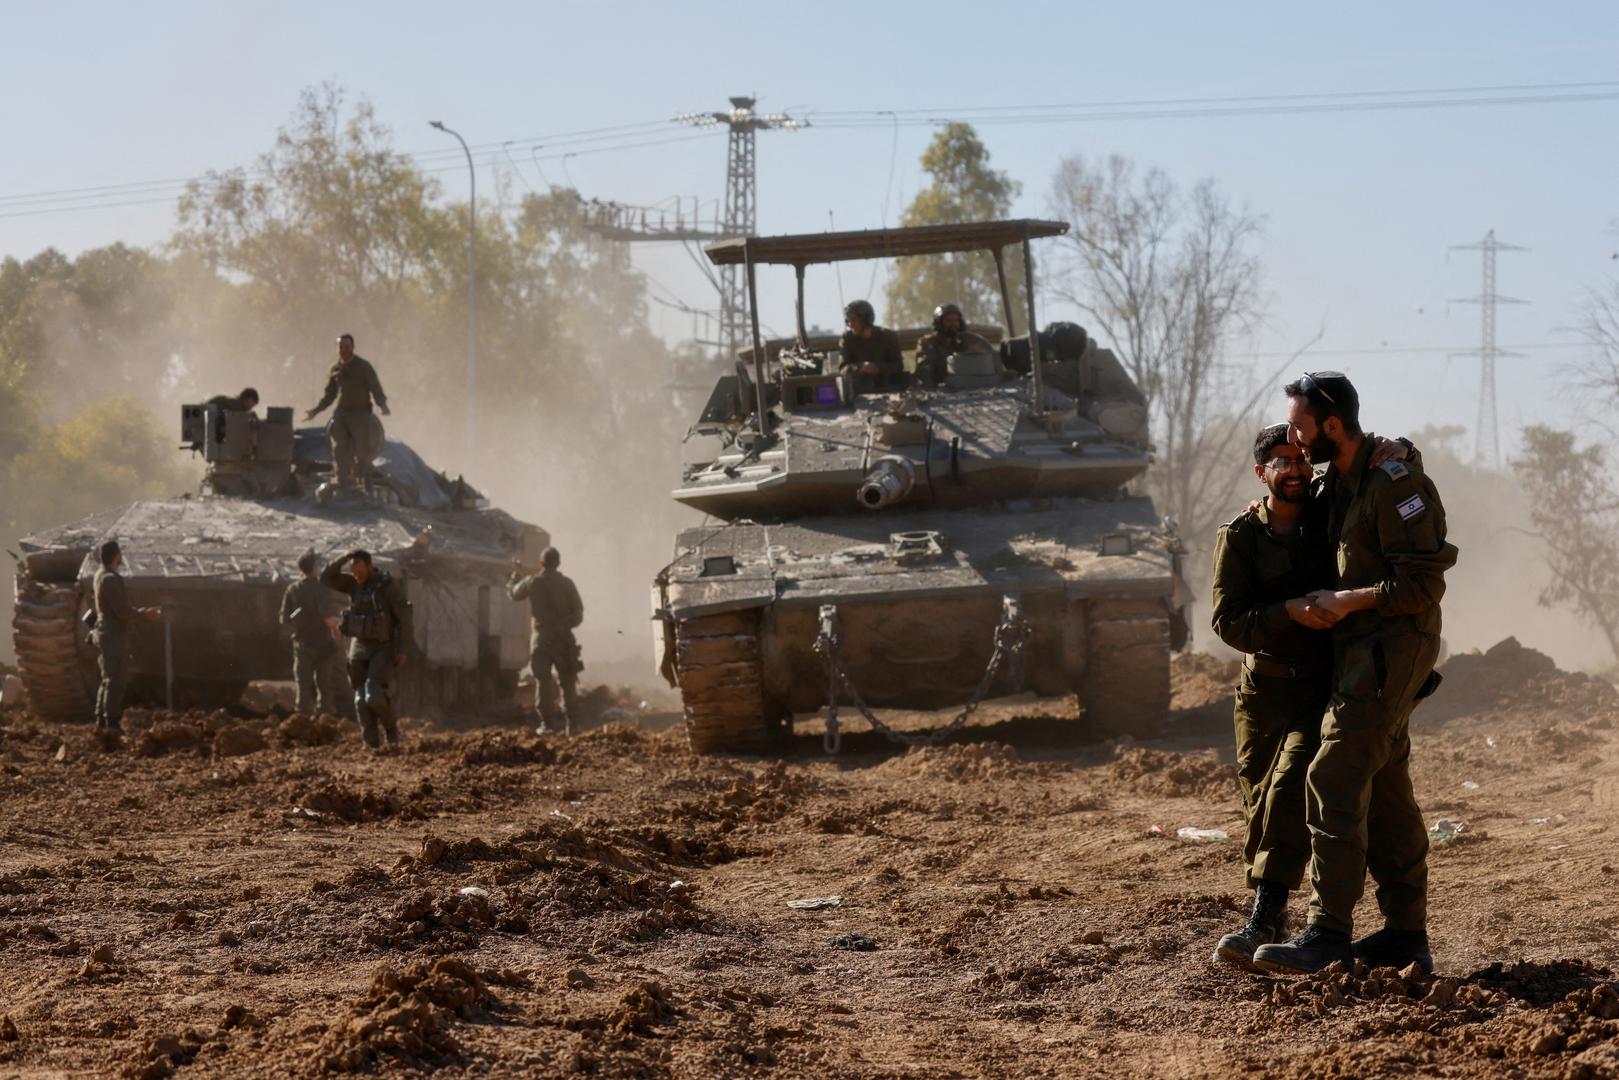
(228,895)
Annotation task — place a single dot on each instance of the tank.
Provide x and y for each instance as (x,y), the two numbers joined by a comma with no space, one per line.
(918,547)
(217,562)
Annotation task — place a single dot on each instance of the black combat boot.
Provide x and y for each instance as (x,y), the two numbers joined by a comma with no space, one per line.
(1396,949)
(1308,953)
(1268,923)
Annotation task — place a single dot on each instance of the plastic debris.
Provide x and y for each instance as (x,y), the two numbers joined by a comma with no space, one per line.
(1490,741)
(815,903)
(1446,829)
(1156,830)
(473,890)
(1470,785)
(853,942)
(1202,836)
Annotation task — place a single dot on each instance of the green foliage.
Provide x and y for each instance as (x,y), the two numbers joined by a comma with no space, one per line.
(1575,510)
(963,188)
(111,453)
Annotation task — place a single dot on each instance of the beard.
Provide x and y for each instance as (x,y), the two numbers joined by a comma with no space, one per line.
(1289,489)
(1321,449)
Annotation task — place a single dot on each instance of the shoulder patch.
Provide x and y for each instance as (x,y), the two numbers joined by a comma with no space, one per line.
(1396,469)
(1411,507)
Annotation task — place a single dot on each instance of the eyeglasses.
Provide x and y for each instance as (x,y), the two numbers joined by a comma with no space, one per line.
(1309,382)
(1286,464)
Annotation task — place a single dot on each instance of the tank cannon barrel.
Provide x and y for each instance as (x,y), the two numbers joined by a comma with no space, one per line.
(889,481)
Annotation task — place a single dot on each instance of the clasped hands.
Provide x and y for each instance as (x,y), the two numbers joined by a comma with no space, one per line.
(1319,610)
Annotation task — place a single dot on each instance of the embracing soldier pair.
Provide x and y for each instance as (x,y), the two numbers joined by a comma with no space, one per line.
(1331,587)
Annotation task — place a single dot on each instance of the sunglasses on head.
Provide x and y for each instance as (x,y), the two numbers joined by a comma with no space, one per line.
(1310,382)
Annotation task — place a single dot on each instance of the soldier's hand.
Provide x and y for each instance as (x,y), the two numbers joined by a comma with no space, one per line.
(385,410)
(1387,450)
(1253,507)
(868,368)
(152,614)
(1301,611)
(310,415)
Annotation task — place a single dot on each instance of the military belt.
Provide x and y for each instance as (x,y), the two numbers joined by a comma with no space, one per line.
(1273,667)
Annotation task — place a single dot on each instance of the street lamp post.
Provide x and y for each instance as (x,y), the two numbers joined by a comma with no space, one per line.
(472,285)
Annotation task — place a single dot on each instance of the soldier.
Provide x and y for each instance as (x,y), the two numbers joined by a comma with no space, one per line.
(246,401)
(115,620)
(950,335)
(555,610)
(355,432)
(869,351)
(316,664)
(1266,562)
(1387,530)
(379,620)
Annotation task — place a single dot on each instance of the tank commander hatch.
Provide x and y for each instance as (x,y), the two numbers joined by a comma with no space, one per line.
(870,352)
(246,401)
(354,430)
(950,336)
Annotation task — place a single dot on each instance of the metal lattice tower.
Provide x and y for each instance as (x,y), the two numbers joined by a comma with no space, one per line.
(741,205)
(1487,436)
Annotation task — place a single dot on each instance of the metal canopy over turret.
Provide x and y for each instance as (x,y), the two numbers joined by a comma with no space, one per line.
(828,247)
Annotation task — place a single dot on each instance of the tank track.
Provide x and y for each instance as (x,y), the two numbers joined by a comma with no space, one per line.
(721,680)
(53,653)
(1126,689)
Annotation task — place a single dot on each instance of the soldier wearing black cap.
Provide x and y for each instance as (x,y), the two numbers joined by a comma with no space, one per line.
(1386,526)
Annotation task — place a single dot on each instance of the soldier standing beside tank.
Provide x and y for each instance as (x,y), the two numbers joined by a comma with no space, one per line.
(870,352)
(354,430)
(555,610)
(950,336)
(378,620)
(115,620)
(316,663)
(1266,563)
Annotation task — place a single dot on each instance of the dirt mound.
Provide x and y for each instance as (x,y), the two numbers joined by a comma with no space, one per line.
(957,762)
(762,797)
(1163,772)
(504,748)
(332,798)
(405,1019)
(1508,676)
(300,729)
(1197,680)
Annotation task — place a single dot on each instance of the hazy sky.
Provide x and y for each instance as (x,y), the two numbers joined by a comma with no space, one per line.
(1361,207)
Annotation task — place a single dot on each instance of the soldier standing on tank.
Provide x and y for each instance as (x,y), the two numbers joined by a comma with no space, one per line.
(1266,563)
(950,336)
(115,620)
(1386,527)
(870,352)
(555,611)
(378,620)
(354,430)
(316,661)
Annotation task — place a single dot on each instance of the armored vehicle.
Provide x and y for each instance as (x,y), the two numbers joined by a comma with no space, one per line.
(918,547)
(218,562)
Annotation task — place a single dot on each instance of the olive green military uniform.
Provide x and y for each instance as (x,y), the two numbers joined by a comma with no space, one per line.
(227,403)
(317,664)
(115,619)
(1387,528)
(354,430)
(934,350)
(881,349)
(378,622)
(1286,682)
(555,610)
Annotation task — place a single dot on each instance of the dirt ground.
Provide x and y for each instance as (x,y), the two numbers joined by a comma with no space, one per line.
(262,897)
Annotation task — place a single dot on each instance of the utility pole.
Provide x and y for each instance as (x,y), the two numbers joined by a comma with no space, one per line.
(1487,436)
(740,217)
(472,293)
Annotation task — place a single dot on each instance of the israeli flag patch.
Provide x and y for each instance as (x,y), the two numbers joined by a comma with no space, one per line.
(1411,507)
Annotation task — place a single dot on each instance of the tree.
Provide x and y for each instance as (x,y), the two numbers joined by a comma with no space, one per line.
(963,188)
(1168,276)
(1575,511)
